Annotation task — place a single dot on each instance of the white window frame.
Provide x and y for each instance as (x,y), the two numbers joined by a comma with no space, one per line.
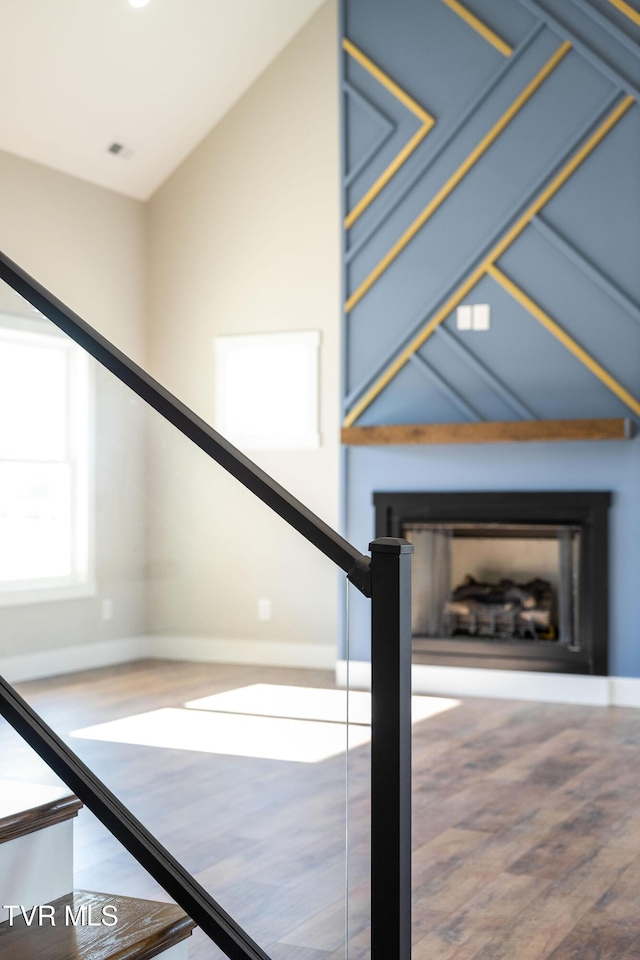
(80,457)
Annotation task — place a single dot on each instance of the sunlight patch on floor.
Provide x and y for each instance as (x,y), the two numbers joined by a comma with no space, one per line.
(309,703)
(265,721)
(271,738)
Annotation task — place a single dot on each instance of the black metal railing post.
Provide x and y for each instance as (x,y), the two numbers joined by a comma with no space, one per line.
(391,749)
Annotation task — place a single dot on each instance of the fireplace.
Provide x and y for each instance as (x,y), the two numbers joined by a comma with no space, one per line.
(506,580)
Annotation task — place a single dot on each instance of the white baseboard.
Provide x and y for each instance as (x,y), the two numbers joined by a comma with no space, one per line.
(358,673)
(511,685)
(506,684)
(624,691)
(269,653)
(436,680)
(52,663)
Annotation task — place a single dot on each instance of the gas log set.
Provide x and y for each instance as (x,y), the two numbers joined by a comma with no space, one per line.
(504,610)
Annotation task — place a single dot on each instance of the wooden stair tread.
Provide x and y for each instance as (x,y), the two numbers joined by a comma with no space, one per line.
(144,929)
(26,807)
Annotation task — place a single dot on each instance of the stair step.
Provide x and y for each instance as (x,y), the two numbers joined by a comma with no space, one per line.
(36,843)
(27,807)
(144,929)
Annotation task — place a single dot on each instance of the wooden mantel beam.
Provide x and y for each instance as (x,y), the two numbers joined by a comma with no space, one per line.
(511,431)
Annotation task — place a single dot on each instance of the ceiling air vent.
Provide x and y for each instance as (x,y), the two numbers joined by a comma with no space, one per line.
(119,149)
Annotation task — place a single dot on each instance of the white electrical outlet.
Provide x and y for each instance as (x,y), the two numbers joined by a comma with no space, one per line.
(264,609)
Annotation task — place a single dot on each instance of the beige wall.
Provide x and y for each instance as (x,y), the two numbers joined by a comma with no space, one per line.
(87,245)
(84,243)
(244,238)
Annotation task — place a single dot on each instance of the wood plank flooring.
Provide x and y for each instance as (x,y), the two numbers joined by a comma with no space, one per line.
(526,821)
(144,929)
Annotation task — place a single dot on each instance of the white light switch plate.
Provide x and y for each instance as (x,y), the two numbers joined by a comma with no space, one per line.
(480,316)
(464,317)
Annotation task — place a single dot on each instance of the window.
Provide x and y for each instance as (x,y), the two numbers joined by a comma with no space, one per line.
(266,388)
(45,502)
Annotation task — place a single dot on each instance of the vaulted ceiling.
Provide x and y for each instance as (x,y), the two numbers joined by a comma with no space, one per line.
(80,75)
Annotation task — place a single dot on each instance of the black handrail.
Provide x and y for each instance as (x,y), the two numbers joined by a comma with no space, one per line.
(321,535)
(391,670)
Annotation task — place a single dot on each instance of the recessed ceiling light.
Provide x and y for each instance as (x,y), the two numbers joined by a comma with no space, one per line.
(138,3)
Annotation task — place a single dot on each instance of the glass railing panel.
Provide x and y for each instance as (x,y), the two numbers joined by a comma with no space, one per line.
(197,635)
(355,672)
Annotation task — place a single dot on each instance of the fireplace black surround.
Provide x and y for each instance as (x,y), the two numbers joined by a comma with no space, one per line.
(584,517)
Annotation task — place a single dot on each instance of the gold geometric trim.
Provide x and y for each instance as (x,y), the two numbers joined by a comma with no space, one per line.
(543,197)
(480,27)
(558,181)
(427,123)
(626,9)
(585,358)
(415,344)
(458,175)
(387,82)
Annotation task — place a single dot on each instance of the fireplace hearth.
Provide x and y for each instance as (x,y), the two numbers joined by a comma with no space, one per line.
(513,580)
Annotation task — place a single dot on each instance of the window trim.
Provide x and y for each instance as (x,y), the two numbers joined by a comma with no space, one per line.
(81,413)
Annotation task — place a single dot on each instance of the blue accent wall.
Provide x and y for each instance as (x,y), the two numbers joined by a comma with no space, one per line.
(578,258)
(611,466)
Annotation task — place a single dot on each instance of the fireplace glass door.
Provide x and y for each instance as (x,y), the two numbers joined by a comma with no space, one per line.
(499,582)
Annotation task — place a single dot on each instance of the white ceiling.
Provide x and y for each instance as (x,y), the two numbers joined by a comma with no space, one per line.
(78,75)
